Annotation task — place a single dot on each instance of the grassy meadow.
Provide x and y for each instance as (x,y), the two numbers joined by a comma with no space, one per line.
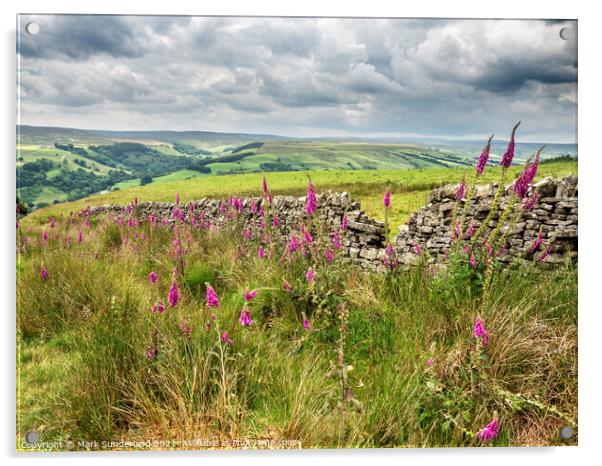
(120,335)
(409,188)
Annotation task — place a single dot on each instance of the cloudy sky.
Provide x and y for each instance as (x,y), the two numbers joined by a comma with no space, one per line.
(301,76)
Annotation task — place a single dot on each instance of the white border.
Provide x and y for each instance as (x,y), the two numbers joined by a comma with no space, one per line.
(590,157)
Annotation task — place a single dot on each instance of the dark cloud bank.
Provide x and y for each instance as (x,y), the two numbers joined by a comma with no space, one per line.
(301,77)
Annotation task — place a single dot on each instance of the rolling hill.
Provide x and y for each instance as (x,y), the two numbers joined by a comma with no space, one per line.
(65,164)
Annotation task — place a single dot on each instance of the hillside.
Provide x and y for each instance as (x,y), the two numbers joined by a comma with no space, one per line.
(61,164)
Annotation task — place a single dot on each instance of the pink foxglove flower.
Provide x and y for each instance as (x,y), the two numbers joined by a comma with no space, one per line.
(306,236)
(482,163)
(287,286)
(250,295)
(536,243)
(480,332)
(328,255)
(225,338)
(490,431)
(473,261)
(174,294)
(245,318)
(265,185)
(461,190)
(336,240)
(212,300)
(345,223)
(509,154)
(151,352)
(152,277)
(261,252)
(158,308)
(418,249)
(311,204)
(430,361)
(43,273)
(185,327)
(310,275)
(546,252)
(307,324)
(387,199)
(470,231)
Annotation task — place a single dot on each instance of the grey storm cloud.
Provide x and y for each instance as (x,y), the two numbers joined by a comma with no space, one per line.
(299,76)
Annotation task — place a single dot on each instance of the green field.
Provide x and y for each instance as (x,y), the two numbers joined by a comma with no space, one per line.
(409,187)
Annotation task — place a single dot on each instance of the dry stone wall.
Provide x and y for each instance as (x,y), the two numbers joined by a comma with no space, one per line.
(555,214)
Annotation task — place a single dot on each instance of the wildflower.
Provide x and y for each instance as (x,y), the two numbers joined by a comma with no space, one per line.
(177,199)
(469,232)
(473,261)
(212,300)
(336,240)
(345,223)
(418,249)
(293,244)
(529,202)
(490,431)
(387,199)
(225,338)
(245,318)
(310,275)
(52,223)
(250,295)
(509,154)
(43,273)
(389,250)
(253,206)
(545,253)
(307,324)
(80,237)
(261,252)
(44,237)
(457,230)
(430,361)
(287,286)
(328,255)
(151,352)
(311,203)
(275,221)
(536,243)
(480,332)
(461,189)
(265,185)
(306,236)
(158,308)
(185,327)
(174,294)
(482,163)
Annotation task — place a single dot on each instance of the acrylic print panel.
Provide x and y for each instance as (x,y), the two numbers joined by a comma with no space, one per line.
(250,233)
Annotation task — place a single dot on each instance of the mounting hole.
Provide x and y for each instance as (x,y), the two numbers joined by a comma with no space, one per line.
(566,432)
(32,437)
(566,33)
(32,28)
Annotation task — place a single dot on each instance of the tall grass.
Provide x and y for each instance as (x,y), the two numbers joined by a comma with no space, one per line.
(282,381)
